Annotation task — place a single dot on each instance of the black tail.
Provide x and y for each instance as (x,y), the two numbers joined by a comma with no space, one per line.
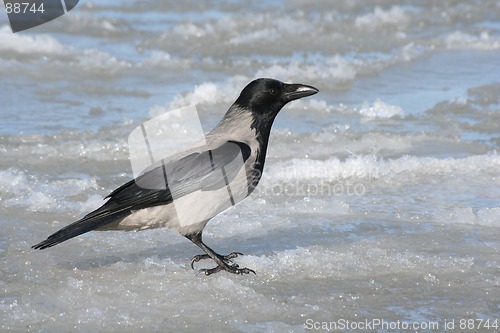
(90,222)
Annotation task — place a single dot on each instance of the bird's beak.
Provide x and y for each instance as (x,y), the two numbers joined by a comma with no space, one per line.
(295,91)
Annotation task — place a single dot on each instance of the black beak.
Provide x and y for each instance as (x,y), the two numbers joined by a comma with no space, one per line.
(295,91)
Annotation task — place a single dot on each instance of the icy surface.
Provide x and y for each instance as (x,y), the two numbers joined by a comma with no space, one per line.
(380,197)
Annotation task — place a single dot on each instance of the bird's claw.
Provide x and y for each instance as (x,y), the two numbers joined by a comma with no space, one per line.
(232,255)
(209,271)
(226,258)
(228,266)
(231,269)
(197,258)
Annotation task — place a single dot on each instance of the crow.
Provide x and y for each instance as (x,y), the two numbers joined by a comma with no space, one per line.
(183,192)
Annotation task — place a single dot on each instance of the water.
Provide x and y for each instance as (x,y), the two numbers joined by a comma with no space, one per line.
(380,200)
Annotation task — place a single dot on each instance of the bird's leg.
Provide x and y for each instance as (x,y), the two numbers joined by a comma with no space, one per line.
(223,262)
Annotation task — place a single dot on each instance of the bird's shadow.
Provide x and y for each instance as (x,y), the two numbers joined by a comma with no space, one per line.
(176,252)
(180,253)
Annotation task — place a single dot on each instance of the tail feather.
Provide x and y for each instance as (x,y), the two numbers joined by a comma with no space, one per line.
(86,224)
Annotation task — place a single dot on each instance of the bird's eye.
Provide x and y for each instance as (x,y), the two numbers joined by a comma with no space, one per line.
(273,92)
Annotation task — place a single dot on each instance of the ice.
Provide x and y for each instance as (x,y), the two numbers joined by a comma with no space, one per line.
(364,257)
(209,93)
(30,44)
(165,59)
(412,51)
(379,197)
(381,110)
(371,167)
(314,104)
(486,94)
(489,217)
(336,68)
(12,181)
(45,45)
(461,40)
(191,30)
(98,26)
(264,34)
(91,59)
(395,16)
(29,192)
(271,28)
(247,29)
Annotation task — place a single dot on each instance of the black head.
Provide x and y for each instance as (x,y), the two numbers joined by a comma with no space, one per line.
(264,98)
(271,95)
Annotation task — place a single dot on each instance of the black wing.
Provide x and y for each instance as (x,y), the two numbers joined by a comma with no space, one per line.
(159,186)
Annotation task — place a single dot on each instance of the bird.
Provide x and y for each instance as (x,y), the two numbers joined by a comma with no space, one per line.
(184,191)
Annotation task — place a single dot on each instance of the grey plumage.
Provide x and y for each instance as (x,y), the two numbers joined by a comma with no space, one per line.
(187,190)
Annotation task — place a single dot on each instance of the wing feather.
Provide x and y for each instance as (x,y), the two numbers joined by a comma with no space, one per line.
(159,186)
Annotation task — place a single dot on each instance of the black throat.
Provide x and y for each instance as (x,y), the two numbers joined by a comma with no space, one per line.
(262,124)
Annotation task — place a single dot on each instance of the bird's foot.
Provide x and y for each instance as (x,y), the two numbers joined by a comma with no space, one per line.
(226,259)
(230,268)
(225,263)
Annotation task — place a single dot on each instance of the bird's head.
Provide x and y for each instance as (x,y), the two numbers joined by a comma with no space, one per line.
(270,95)
(264,98)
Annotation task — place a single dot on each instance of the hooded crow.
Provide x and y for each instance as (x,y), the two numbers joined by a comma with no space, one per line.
(185,191)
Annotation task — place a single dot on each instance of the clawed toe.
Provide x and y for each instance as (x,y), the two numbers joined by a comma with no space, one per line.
(244,271)
(224,263)
(231,269)
(226,259)
(197,258)
(232,255)
(209,271)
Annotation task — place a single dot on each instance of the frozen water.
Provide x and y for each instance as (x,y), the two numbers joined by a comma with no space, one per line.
(380,197)
(381,110)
